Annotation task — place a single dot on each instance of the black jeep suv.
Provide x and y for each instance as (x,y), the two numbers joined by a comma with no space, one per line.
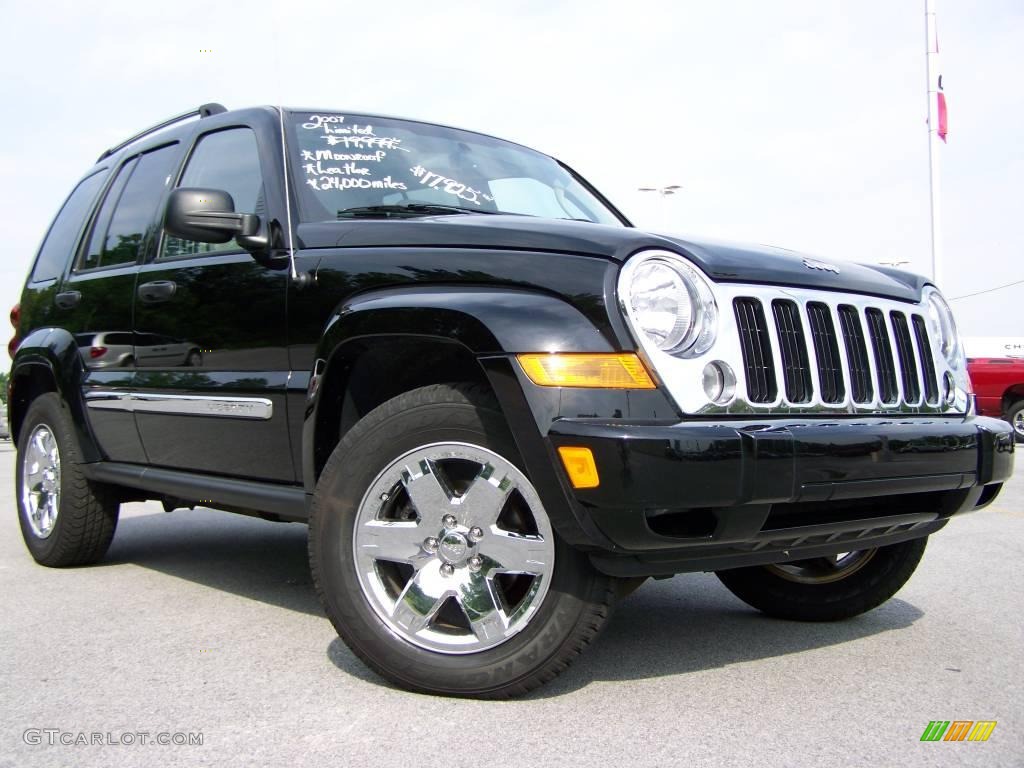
(498,406)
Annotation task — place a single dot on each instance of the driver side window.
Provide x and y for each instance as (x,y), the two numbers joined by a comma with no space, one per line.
(227,160)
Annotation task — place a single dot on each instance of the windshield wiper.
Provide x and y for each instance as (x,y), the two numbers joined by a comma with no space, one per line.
(406,209)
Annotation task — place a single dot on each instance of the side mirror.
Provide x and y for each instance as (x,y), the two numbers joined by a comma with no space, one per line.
(207,216)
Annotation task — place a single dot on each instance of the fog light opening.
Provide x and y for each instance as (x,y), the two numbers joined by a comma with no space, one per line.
(719,382)
(948,388)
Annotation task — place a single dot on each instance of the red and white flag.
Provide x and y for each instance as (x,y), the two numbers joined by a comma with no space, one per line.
(942,118)
(935,85)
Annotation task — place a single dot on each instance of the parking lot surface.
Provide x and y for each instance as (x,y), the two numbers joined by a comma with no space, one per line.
(203,622)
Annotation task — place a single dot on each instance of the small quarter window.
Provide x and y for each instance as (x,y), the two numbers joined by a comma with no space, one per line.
(60,241)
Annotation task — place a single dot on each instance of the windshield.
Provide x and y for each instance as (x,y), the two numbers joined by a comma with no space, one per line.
(347,165)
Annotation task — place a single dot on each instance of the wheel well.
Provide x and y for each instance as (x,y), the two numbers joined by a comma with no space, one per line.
(364,374)
(1011,396)
(28,383)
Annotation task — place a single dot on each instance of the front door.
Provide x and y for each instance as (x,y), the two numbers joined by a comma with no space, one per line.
(210,334)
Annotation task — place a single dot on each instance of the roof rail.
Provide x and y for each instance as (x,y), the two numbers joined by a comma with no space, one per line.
(204,110)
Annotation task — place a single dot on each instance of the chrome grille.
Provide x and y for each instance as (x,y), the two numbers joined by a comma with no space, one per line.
(908,363)
(825,354)
(826,349)
(794,350)
(757,351)
(884,367)
(931,382)
(857,354)
(795,368)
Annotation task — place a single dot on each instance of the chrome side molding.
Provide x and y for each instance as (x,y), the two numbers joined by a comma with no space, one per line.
(259,408)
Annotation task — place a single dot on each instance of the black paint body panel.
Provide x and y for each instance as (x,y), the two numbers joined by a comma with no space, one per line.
(722,481)
(729,262)
(228,321)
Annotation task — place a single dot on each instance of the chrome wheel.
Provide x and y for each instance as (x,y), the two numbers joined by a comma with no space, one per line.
(453,548)
(823,570)
(1018,425)
(40,490)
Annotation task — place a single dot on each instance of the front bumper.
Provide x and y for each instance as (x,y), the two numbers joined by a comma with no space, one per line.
(724,494)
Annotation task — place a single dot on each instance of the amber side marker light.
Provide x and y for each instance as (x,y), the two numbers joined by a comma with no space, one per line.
(606,371)
(580,466)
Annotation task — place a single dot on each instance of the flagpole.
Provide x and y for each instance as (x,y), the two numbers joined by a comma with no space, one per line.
(934,177)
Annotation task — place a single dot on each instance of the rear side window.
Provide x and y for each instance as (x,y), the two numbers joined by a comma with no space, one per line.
(61,239)
(118,339)
(94,250)
(227,160)
(129,210)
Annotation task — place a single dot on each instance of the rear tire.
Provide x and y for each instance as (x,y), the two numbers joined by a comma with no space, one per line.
(1015,415)
(65,519)
(407,600)
(812,590)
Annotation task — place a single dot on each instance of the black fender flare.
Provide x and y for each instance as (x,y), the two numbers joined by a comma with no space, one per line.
(53,353)
(492,324)
(484,320)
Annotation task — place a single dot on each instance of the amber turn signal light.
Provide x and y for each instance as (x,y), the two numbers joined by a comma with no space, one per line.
(606,371)
(579,465)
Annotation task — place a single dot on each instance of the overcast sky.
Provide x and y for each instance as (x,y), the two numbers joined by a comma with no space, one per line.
(799,123)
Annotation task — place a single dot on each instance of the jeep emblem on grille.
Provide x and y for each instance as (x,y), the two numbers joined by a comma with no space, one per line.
(821,265)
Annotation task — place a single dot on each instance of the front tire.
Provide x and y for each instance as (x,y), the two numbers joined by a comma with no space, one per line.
(65,519)
(434,558)
(827,588)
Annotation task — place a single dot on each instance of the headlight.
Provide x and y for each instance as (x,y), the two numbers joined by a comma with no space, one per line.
(670,303)
(943,328)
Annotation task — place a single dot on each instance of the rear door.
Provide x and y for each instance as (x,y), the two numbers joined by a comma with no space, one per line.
(94,300)
(210,330)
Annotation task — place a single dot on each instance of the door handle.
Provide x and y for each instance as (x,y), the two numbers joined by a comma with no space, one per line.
(67,299)
(155,292)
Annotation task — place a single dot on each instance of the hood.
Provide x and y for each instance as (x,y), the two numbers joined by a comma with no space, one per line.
(721,261)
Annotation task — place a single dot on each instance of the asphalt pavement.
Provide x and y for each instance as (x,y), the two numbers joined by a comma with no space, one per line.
(204,625)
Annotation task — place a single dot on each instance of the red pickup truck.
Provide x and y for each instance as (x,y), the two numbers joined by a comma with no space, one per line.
(999,387)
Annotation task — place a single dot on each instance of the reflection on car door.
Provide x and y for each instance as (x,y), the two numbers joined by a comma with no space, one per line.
(155,351)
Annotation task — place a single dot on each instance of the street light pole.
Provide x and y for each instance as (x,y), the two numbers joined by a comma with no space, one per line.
(663,193)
